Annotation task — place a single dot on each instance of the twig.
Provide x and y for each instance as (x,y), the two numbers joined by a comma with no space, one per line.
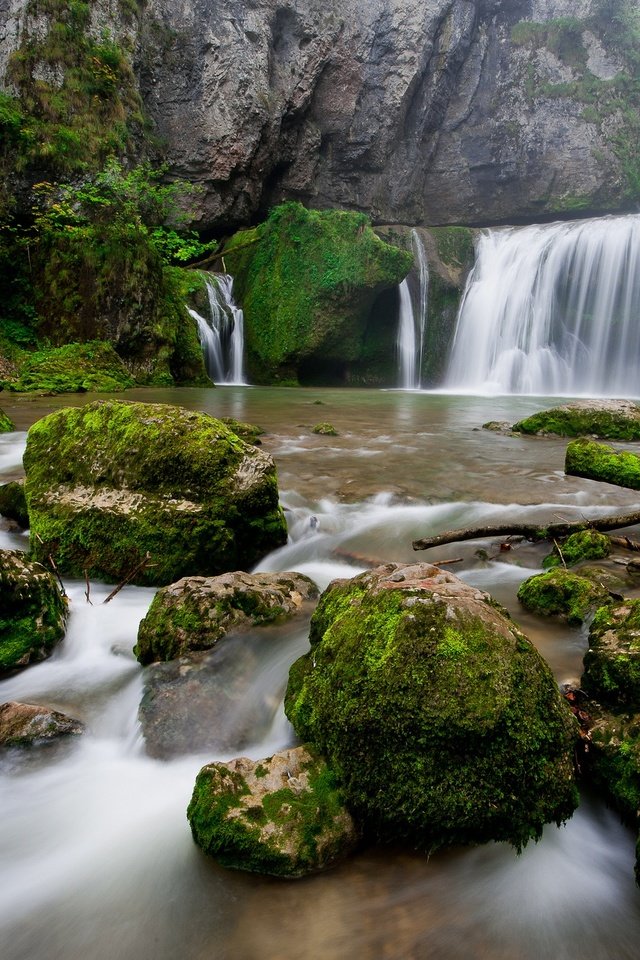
(88,590)
(444,563)
(560,554)
(141,566)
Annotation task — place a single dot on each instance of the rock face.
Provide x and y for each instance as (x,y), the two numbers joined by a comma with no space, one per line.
(32,611)
(437,714)
(111,482)
(196,612)
(606,419)
(428,111)
(284,815)
(23,725)
(599,461)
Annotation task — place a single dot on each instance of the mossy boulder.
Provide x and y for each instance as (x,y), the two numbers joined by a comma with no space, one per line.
(284,815)
(116,487)
(607,419)
(562,593)
(599,461)
(583,545)
(437,714)
(307,280)
(32,611)
(612,662)
(196,612)
(13,503)
(325,430)
(26,725)
(246,431)
(74,368)
(6,424)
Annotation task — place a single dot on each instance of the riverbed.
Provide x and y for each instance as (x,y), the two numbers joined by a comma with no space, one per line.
(96,856)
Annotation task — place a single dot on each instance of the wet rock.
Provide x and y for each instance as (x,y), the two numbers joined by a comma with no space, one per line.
(6,424)
(246,431)
(194,613)
(33,611)
(564,594)
(598,461)
(148,491)
(24,725)
(74,368)
(434,710)
(284,815)
(325,429)
(583,545)
(13,504)
(605,419)
(612,662)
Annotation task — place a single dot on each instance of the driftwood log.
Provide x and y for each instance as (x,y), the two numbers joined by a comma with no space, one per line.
(552,531)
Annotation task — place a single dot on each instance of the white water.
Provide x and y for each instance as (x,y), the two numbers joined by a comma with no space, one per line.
(552,309)
(222,334)
(412,322)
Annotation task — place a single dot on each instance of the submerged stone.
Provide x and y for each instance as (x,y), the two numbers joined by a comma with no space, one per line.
(438,715)
(13,503)
(32,611)
(25,725)
(598,461)
(284,815)
(564,594)
(150,492)
(607,419)
(325,429)
(612,662)
(194,613)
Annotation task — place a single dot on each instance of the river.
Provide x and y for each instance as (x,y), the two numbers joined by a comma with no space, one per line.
(96,856)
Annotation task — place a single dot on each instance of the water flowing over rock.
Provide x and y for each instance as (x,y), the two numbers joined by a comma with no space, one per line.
(222,332)
(148,492)
(284,815)
(438,715)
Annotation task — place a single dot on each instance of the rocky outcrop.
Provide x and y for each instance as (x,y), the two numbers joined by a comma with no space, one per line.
(284,815)
(439,717)
(604,419)
(74,368)
(196,612)
(33,611)
(25,725)
(149,492)
(612,662)
(599,461)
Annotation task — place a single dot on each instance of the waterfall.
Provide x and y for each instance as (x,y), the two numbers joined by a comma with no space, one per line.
(222,335)
(552,309)
(411,324)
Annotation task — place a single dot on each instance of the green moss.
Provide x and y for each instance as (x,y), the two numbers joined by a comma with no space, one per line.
(581,422)
(583,545)
(13,503)
(442,729)
(612,663)
(6,424)
(74,368)
(247,431)
(325,429)
(563,594)
(598,461)
(307,280)
(32,611)
(615,762)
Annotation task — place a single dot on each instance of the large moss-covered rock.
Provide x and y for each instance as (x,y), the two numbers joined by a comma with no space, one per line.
(562,593)
(438,715)
(25,725)
(13,504)
(612,662)
(6,424)
(32,611)
(599,461)
(583,545)
(607,419)
(74,368)
(284,815)
(307,281)
(112,482)
(194,613)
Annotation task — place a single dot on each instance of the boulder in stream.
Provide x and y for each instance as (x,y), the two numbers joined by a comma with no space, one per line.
(437,714)
(6,424)
(284,815)
(25,725)
(13,504)
(584,545)
(33,611)
(148,492)
(612,662)
(599,461)
(562,593)
(607,419)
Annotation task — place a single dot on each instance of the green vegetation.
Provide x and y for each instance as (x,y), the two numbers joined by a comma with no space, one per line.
(32,611)
(13,504)
(440,719)
(598,461)
(307,280)
(583,545)
(6,424)
(74,368)
(585,420)
(612,663)
(325,430)
(563,594)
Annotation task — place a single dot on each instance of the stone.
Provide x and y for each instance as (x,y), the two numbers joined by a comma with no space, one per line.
(440,718)
(284,815)
(604,419)
(6,423)
(25,725)
(196,612)
(148,491)
(579,546)
(74,368)
(33,611)
(612,662)
(13,504)
(562,593)
(599,461)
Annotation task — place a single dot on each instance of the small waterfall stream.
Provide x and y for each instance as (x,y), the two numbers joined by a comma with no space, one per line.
(412,320)
(552,309)
(222,335)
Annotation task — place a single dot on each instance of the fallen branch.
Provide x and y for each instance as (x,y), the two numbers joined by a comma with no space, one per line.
(87,591)
(529,531)
(625,543)
(221,252)
(141,566)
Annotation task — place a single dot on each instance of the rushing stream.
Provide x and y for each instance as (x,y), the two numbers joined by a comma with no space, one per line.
(97,861)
